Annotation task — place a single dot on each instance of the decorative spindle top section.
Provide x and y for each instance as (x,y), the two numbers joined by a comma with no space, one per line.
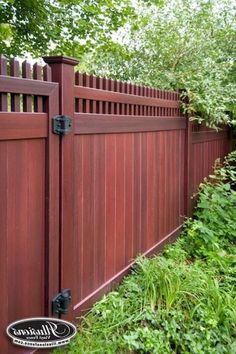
(60,59)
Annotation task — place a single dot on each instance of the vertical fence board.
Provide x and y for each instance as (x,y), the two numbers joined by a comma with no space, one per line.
(27,99)
(143,187)
(129,206)
(137,192)
(99,209)
(15,71)
(110,205)
(120,202)
(37,75)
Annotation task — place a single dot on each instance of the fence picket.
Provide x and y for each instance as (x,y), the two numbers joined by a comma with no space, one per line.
(27,99)
(3,71)
(37,75)
(15,71)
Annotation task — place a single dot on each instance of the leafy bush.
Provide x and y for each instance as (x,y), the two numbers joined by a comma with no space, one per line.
(214,225)
(178,44)
(182,301)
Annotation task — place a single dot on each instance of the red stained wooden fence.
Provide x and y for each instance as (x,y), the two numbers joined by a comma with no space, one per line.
(77,209)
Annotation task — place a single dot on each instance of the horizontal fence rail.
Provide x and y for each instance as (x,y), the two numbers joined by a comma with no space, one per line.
(86,123)
(78,208)
(116,97)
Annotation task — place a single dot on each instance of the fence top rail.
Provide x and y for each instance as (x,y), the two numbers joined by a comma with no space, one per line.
(25,86)
(117,97)
(110,85)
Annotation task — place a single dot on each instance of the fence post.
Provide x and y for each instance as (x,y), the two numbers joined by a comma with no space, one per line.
(63,73)
(187,163)
(188,168)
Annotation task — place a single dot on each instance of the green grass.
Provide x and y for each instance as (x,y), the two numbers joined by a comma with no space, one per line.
(183,301)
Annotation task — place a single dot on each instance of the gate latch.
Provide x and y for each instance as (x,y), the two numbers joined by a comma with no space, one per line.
(61,301)
(62,125)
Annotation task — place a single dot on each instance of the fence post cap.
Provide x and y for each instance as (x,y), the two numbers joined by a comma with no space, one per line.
(60,59)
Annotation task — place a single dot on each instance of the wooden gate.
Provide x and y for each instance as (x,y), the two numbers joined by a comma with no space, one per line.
(29,196)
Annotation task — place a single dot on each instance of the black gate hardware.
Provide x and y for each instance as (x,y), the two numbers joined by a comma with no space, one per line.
(61,301)
(62,125)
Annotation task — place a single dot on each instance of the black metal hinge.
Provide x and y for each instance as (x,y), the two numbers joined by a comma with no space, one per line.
(61,125)
(61,302)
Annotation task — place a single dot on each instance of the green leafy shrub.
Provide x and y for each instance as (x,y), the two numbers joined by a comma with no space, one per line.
(213,227)
(183,44)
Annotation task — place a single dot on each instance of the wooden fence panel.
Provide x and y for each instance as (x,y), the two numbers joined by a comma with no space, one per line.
(206,146)
(124,162)
(129,198)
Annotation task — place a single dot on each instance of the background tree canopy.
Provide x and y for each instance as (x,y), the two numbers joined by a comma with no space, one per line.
(71,27)
(175,44)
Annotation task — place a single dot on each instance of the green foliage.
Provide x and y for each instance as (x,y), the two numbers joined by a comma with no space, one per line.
(188,45)
(214,225)
(182,301)
(58,26)
(25,25)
